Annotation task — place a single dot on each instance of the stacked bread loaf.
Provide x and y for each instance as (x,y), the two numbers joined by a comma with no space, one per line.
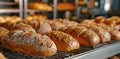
(36,16)
(44,38)
(13,19)
(66,6)
(39,6)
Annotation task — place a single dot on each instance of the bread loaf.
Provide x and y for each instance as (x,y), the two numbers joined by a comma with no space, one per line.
(65,6)
(103,34)
(115,34)
(83,35)
(63,41)
(24,27)
(3,32)
(29,43)
(100,19)
(39,6)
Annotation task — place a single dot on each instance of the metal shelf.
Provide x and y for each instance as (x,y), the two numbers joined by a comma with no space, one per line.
(9,10)
(99,53)
(8,3)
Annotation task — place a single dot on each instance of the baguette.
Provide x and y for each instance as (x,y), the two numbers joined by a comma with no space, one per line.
(84,36)
(29,43)
(63,41)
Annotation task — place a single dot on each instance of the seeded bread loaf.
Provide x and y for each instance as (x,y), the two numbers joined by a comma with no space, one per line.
(29,43)
(63,41)
(83,35)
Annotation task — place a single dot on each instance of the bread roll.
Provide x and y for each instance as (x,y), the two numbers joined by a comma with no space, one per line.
(83,35)
(29,43)
(39,6)
(115,34)
(63,41)
(102,33)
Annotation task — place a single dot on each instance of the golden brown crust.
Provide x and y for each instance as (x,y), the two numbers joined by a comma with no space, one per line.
(10,26)
(36,17)
(29,43)
(92,38)
(66,6)
(102,33)
(44,27)
(24,27)
(63,41)
(115,34)
(39,6)
(87,21)
(84,36)
(56,25)
(3,31)
(100,19)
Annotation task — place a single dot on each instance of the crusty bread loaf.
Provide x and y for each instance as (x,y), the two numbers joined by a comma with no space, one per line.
(44,27)
(29,43)
(24,27)
(115,34)
(10,26)
(87,21)
(100,19)
(2,20)
(83,35)
(36,17)
(63,41)
(56,25)
(34,23)
(40,26)
(65,6)
(102,33)
(3,32)
(39,6)
(19,26)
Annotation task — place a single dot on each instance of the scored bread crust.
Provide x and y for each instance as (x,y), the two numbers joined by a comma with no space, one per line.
(83,35)
(63,41)
(29,43)
(102,33)
(115,34)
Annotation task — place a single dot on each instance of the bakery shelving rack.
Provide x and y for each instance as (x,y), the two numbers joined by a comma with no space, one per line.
(55,11)
(11,10)
(26,10)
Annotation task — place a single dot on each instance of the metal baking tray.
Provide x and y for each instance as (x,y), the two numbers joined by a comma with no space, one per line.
(101,51)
